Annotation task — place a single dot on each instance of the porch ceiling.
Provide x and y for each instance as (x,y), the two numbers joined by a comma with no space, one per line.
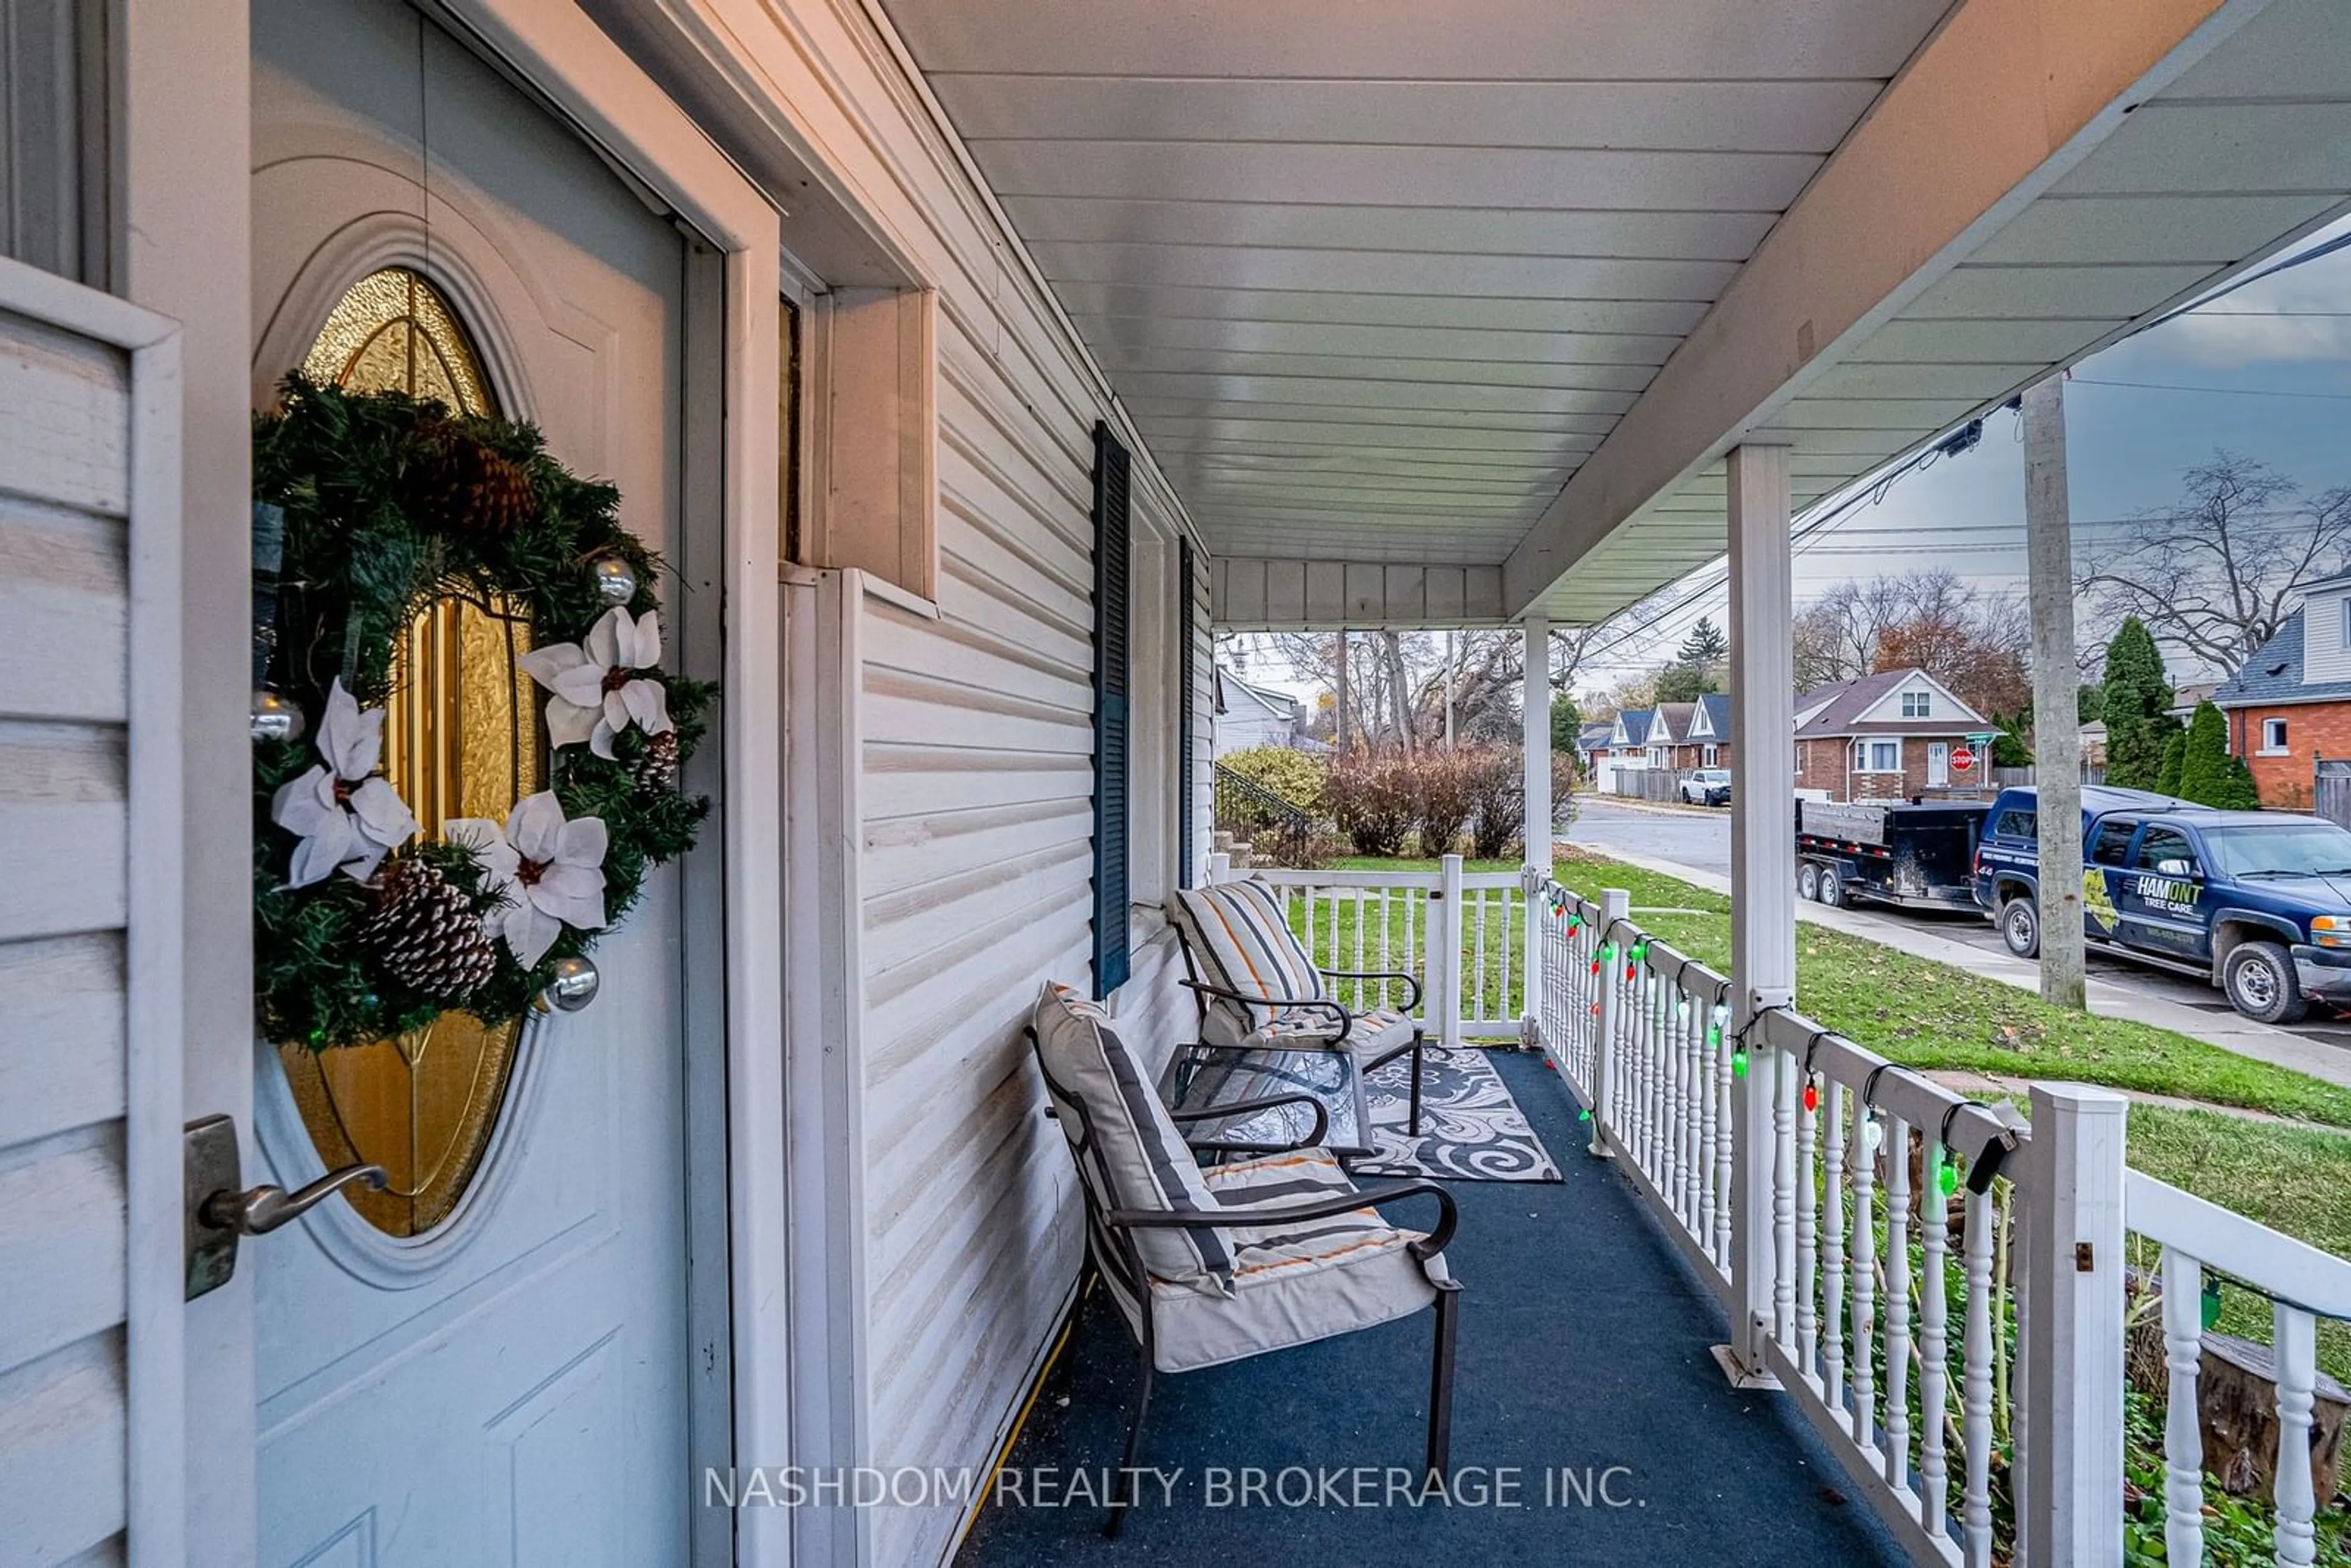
(1378,291)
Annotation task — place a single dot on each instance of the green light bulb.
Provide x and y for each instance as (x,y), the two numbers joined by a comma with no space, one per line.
(1947,1177)
(1739,1064)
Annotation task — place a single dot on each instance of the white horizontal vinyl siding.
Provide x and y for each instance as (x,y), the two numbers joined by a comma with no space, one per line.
(64,498)
(2326,645)
(975,790)
(976,870)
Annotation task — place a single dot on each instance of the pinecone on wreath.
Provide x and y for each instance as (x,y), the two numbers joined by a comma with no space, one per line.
(466,488)
(656,765)
(427,935)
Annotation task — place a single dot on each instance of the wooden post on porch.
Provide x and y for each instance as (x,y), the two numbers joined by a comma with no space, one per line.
(2056,734)
(1537,814)
(1762,874)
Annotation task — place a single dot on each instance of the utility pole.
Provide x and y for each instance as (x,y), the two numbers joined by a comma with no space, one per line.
(2056,734)
(1341,734)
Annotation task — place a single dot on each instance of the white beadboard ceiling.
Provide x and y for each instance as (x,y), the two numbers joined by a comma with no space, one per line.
(1374,278)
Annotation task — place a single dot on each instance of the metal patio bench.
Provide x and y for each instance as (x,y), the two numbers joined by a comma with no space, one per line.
(1259,988)
(1211,1266)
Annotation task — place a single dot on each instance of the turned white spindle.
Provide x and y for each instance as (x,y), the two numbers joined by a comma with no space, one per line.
(2183,1434)
(1653,1044)
(1695,1170)
(1635,1016)
(1975,1385)
(2295,1342)
(1782,1068)
(1864,1277)
(1934,1345)
(1712,1230)
(1661,1089)
(1726,1092)
(1808,1260)
(1832,1147)
(1688,1008)
(1898,1300)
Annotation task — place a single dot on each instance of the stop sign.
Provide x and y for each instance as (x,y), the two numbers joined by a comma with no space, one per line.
(1963,760)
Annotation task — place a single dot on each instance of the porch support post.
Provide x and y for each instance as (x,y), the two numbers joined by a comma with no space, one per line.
(1762,868)
(2056,738)
(1537,707)
(2069,1395)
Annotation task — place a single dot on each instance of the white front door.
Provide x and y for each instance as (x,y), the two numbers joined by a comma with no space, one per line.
(509,1383)
(1939,764)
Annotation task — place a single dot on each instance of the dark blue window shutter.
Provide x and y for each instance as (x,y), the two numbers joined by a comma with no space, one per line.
(1186,627)
(1111,705)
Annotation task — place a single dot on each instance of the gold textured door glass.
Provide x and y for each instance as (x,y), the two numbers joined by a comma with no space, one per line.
(461,739)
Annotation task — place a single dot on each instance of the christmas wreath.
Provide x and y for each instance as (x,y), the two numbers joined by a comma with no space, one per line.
(371,507)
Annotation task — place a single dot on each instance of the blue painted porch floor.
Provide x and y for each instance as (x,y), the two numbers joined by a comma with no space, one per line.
(1583,1346)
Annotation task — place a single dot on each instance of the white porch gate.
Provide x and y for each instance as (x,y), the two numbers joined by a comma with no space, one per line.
(1462,932)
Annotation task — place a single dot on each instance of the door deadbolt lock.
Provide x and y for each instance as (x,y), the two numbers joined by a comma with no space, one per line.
(221,1209)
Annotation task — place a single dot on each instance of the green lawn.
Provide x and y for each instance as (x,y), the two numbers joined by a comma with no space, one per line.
(1928,1015)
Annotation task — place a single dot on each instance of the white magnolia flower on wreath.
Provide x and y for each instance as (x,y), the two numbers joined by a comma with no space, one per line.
(550,871)
(343,814)
(599,691)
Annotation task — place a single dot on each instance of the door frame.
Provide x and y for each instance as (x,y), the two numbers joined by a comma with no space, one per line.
(185,70)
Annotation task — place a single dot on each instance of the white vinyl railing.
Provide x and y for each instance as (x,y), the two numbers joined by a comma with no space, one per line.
(2304,1285)
(1462,932)
(1938,1283)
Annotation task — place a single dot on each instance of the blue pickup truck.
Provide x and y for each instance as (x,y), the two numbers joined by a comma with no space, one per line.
(2257,903)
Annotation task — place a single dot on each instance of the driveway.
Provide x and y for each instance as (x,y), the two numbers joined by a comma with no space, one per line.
(1700,841)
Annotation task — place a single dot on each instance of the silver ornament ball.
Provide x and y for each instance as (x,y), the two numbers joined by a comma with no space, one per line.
(275,718)
(573,987)
(616,580)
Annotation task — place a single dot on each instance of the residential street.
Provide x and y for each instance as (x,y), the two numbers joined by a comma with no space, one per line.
(1701,842)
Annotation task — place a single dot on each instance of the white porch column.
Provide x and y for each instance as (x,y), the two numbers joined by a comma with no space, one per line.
(1537,705)
(1762,862)
(2069,1310)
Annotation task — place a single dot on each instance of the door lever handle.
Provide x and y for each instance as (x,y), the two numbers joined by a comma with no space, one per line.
(257,1211)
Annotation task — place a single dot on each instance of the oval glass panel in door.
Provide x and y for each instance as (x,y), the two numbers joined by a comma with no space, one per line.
(461,739)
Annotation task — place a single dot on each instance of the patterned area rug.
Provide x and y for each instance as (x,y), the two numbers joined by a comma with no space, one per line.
(1470,1128)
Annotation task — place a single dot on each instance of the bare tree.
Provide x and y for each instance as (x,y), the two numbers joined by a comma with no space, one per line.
(2215,573)
(1975,643)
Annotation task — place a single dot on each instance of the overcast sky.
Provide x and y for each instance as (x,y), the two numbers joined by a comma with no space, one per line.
(2264,370)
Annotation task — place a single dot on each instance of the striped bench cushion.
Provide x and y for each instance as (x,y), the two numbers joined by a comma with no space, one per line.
(1379,1030)
(1143,1157)
(1238,933)
(1290,1283)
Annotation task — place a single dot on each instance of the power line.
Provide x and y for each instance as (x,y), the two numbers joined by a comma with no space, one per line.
(2215,391)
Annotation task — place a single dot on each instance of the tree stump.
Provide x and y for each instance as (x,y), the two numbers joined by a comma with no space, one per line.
(2236,1405)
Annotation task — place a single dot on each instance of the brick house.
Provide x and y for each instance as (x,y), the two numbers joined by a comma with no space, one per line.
(1702,735)
(2289,704)
(1887,737)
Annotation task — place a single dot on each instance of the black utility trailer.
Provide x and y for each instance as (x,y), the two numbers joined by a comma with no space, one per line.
(1919,857)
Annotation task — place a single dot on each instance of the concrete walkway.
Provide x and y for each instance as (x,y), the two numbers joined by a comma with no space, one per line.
(2228,1031)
